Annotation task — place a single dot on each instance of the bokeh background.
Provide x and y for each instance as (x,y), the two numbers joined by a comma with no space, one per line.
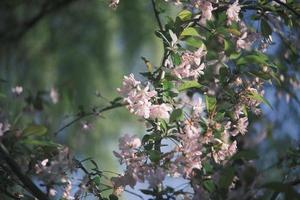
(82,49)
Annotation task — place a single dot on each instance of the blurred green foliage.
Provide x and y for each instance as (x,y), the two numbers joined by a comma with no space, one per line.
(82,49)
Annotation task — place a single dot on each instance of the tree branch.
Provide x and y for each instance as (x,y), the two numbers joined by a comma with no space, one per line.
(47,8)
(156,13)
(288,7)
(32,188)
(84,115)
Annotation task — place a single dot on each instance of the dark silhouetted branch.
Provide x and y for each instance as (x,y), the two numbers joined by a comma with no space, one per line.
(32,188)
(84,115)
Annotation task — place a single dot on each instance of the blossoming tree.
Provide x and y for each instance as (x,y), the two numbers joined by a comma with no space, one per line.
(196,106)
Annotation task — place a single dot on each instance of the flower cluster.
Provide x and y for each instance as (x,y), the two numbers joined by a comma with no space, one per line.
(233,13)
(114,3)
(137,169)
(139,98)
(191,65)
(193,139)
(206,8)
(55,170)
(202,133)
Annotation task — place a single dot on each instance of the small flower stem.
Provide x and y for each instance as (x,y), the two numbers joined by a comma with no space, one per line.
(84,115)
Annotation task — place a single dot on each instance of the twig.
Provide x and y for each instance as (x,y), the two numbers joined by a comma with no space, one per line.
(137,195)
(84,115)
(81,116)
(156,13)
(288,7)
(34,190)
(8,194)
(47,8)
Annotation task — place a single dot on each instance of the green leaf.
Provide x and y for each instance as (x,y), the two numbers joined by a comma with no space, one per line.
(2,95)
(234,56)
(154,156)
(258,97)
(266,30)
(167,85)
(245,110)
(176,115)
(207,168)
(221,18)
(288,190)
(229,47)
(189,84)
(211,103)
(36,130)
(245,155)
(256,58)
(209,185)
(97,180)
(113,197)
(226,178)
(39,143)
(176,58)
(226,45)
(163,125)
(234,31)
(219,116)
(193,42)
(185,15)
(189,31)
(224,74)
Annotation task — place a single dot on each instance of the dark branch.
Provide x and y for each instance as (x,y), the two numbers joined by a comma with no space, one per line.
(156,13)
(84,115)
(34,190)
(288,7)
(47,8)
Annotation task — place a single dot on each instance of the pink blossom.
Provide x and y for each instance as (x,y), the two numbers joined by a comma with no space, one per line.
(124,180)
(182,71)
(198,106)
(17,90)
(129,83)
(190,129)
(137,97)
(114,3)
(206,9)
(52,192)
(160,111)
(190,151)
(191,64)
(156,177)
(127,146)
(242,125)
(54,95)
(67,191)
(138,102)
(176,2)
(233,13)
(224,152)
(129,142)
(241,43)
(140,108)
(199,54)
(197,71)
